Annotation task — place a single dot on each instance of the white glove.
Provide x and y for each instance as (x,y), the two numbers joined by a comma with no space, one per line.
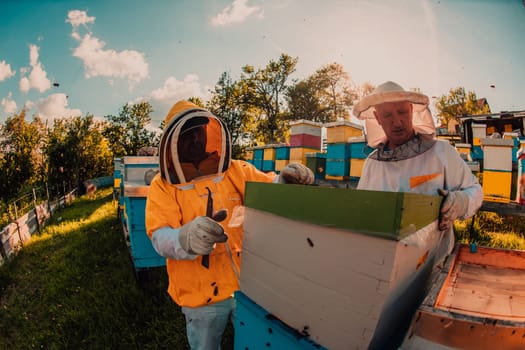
(296,173)
(454,205)
(200,235)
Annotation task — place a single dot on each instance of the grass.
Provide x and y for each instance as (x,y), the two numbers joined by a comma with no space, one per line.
(492,230)
(73,287)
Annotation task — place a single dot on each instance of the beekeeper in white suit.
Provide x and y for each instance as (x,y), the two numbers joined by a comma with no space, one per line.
(408,157)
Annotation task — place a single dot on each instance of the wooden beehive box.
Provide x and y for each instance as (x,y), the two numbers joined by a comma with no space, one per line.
(342,130)
(497,169)
(477,302)
(136,166)
(345,266)
(141,250)
(305,127)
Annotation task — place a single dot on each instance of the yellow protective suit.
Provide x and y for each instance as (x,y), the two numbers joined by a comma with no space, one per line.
(179,193)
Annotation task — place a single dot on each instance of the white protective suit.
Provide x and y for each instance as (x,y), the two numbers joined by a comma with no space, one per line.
(423,165)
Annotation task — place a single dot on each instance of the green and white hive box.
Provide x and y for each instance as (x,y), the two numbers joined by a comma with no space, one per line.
(345,266)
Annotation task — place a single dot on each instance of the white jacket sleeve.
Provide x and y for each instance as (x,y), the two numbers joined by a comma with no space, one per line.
(459,177)
(165,241)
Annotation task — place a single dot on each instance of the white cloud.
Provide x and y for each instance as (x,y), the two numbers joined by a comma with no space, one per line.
(8,104)
(99,61)
(237,12)
(37,78)
(55,106)
(5,71)
(174,90)
(77,18)
(28,105)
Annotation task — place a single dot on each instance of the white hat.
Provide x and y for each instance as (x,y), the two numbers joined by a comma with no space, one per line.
(391,92)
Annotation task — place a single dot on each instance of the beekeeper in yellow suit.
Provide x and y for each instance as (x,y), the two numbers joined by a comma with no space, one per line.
(198,186)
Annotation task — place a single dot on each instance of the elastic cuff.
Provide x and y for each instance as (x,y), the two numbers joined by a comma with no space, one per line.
(166,243)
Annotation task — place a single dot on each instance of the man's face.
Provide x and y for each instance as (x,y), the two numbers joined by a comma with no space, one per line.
(192,145)
(396,120)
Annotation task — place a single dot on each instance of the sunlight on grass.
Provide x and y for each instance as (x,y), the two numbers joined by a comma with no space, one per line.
(78,216)
(492,230)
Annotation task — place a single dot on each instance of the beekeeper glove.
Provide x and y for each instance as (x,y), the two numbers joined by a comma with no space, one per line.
(296,173)
(200,235)
(454,205)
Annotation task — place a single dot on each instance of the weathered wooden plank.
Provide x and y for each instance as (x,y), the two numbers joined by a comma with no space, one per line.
(449,332)
(505,258)
(485,291)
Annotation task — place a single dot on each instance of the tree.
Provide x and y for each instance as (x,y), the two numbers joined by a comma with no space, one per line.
(77,151)
(458,102)
(127,132)
(336,90)
(21,148)
(325,96)
(304,102)
(196,100)
(264,91)
(365,89)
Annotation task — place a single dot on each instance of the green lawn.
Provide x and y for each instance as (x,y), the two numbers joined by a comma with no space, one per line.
(73,287)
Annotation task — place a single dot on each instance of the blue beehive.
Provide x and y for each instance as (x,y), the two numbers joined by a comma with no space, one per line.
(258,153)
(338,150)
(282,153)
(476,153)
(268,165)
(337,167)
(258,158)
(142,252)
(360,150)
(256,329)
(134,193)
(258,163)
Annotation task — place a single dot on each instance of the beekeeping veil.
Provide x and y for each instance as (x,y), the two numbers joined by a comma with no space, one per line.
(391,92)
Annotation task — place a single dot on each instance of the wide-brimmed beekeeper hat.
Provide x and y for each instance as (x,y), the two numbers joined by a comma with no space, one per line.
(392,92)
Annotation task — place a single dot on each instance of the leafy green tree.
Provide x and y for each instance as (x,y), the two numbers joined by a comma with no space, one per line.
(304,102)
(197,100)
(325,96)
(127,132)
(336,90)
(264,92)
(21,148)
(77,151)
(458,102)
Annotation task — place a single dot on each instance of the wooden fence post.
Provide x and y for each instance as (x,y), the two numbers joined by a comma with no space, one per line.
(48,200)
(36,211)
(18,225)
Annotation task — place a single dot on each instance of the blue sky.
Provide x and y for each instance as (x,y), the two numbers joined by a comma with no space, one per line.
(104,54)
